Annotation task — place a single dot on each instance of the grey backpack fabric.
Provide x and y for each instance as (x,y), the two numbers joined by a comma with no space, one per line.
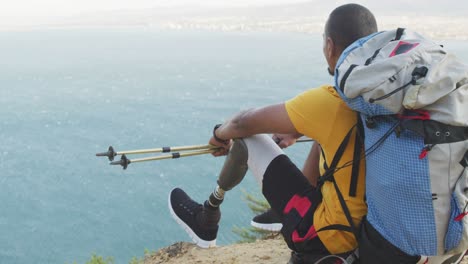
(383,66)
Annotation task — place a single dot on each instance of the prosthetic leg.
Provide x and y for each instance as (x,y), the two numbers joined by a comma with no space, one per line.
(233,172)
(201,221)
(254,153)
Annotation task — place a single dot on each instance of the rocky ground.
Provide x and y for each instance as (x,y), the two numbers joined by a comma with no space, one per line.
(271,251)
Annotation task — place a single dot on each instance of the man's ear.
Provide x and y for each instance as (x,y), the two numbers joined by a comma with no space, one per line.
(330,48)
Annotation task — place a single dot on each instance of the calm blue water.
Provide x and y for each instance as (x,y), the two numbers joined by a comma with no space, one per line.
(65,95)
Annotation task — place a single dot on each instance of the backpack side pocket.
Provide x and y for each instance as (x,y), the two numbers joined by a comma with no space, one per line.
(456,239)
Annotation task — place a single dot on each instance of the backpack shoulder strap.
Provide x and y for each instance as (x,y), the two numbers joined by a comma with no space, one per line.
(330,170)
(329,174)
(358,147)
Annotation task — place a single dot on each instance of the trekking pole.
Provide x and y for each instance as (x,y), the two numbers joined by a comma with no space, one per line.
(305,140)
(124,161)
(111,153)
(186,152)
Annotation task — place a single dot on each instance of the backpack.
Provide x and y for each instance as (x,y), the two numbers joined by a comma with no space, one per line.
(412,96)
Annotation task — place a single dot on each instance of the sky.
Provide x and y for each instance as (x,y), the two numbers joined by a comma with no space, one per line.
(25,8)
(25,12)
(17,12)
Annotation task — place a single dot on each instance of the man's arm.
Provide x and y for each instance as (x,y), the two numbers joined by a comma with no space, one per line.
(286,140)
(311,165)
(270,119)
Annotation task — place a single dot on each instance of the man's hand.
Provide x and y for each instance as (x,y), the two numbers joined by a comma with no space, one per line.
(285,140)
(223,148)
(224,145)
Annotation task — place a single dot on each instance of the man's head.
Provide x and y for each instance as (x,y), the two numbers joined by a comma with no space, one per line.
(346,24)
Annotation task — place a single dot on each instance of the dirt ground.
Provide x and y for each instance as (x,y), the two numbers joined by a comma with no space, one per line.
(271,251)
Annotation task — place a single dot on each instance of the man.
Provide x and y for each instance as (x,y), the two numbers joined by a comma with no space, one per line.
(308,213)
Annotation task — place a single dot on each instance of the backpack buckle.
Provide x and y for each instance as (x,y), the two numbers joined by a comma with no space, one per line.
(464,161)
(418,73)
(370,122)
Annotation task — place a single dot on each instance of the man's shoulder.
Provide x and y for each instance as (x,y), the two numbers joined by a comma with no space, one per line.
(324,92)
(317,103)
(331,90)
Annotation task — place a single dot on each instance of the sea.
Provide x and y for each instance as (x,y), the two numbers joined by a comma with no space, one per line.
(66,95)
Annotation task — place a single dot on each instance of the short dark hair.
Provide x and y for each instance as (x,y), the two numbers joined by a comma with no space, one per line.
(348,23)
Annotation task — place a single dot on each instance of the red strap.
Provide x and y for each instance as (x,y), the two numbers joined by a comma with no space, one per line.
(423,153)
(460,217)
(421,115)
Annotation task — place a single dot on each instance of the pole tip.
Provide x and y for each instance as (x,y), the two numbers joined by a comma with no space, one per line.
(124,161)
(109,154)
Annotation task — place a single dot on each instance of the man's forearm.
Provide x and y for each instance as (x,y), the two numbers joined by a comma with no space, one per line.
(311,166)
(269,119)
(237,127)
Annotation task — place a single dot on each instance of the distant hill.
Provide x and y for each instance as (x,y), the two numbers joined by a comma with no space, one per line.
(438,19)
(323,8)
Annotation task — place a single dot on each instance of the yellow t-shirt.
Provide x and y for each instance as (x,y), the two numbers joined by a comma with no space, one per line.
(322,115)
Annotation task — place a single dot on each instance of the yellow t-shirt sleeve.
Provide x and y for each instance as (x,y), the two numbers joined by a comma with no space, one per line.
(311,111)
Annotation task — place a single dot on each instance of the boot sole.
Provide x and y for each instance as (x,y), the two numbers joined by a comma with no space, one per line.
(196,239)
(268,227)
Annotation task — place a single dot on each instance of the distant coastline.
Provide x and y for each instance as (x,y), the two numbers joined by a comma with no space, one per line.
(433,27)
(307,17)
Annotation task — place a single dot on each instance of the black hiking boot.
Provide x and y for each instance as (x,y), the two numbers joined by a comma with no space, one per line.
(269,221)
(199,221)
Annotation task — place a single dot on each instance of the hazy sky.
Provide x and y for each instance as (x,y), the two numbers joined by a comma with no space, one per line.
(25,11)
(23,8)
